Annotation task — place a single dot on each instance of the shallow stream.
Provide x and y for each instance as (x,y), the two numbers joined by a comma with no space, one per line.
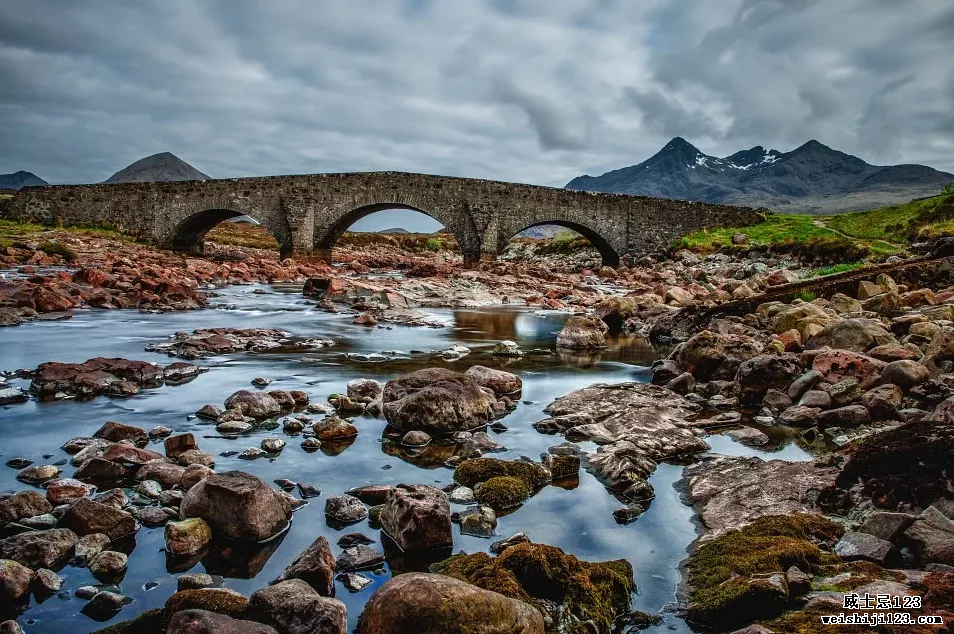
(578,520)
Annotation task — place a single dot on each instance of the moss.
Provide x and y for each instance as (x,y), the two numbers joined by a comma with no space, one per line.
(471,472)
(533,572)
(149,622)
(718,572)
(210,599)
(908,465)
(503,492)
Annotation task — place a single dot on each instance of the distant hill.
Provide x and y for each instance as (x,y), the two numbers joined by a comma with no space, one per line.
(20,179)
(393,230)
(812,178)
(164,166)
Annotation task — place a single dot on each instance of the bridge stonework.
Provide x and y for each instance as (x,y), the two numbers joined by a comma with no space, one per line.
(308,213)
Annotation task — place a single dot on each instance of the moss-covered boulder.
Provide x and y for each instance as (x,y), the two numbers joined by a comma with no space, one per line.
(730,577)
(540,574)
(218,600)
(503,492)
(149,622)
(471,472)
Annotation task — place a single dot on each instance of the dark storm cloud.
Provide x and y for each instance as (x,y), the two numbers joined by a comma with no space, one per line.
(527,90)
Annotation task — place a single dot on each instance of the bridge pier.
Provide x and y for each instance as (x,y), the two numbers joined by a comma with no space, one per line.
(312,256)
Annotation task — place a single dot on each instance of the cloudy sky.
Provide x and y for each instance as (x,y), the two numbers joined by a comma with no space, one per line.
(537,91)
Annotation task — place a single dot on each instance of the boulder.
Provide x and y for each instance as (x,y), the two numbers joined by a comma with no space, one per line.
(502,383)
(709,355)
(837,365)
(205,622)
(848,416)
(39,549)
(417,517)
(856,335)
(883,401)
(254,404)
(15,580)
(23,504)
(905,374)
(360,389)
(422,603)
(807,319)
(582,333)
(293,607)
(345,509)
(315,566)
(86,517)
(939,355)
(66,491)
(757,375)
(436,401)
(931,536)
(237,505)
(115,432)
(886,525)
(854,546)
(187,537)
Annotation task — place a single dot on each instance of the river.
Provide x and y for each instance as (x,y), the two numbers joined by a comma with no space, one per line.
(578,520)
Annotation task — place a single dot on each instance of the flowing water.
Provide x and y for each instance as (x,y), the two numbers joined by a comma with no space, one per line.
(578,520)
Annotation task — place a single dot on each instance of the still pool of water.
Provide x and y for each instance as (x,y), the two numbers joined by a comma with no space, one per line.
(578,520)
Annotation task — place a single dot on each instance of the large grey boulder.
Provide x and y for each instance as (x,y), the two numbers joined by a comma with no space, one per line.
(417,517)
(293,607)
(237,505)
(583,333)
(39,549)
(315,566)
(436,401)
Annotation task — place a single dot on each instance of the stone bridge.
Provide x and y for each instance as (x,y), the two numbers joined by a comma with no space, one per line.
(308,213)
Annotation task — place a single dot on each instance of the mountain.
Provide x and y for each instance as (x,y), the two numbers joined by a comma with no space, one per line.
(164,166)
(20,179)
(812,178)
(394,230)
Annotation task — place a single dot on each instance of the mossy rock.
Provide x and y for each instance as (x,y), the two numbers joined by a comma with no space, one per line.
(470,472)
(719,571)
(907,465)
(533,572)
(149,622)
(211,599)
(936,595)
(503,492)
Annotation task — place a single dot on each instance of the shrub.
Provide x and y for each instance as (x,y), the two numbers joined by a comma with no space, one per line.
(432,244)
(57,248)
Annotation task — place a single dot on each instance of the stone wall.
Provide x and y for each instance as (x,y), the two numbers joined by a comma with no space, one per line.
(308,213)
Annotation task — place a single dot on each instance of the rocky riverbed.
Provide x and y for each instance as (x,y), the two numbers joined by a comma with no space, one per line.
(290,461)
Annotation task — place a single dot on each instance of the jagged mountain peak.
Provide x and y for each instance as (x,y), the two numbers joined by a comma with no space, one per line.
(811,178)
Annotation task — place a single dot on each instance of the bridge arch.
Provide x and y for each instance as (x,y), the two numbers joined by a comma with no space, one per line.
(187,235)
(602,245)
(455,223)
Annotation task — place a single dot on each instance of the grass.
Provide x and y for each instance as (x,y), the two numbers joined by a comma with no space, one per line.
(12,232)
(776,229)
(807,296)
(900,223)
(844,267)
